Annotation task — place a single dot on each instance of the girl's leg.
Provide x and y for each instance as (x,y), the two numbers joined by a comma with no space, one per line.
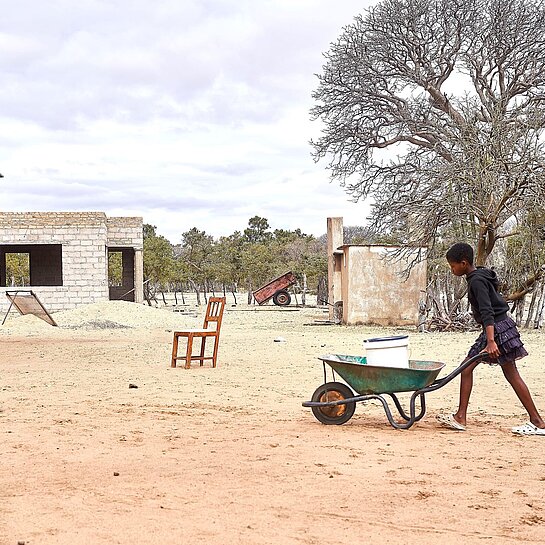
(466,385)
(512,375)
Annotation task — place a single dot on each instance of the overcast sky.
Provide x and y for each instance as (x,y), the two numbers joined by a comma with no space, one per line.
(189,113)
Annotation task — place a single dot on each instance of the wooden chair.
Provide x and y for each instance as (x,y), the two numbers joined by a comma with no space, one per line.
(214,314)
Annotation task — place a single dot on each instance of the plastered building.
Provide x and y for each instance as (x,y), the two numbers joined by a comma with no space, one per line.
(371,286)
(68,256)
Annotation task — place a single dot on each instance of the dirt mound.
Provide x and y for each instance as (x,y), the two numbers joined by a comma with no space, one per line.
(105,315)
(121,314)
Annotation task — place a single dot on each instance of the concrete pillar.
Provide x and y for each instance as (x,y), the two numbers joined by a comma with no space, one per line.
(335,239)
(138,276)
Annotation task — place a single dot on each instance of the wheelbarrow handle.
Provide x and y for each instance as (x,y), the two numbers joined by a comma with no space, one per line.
(482,356)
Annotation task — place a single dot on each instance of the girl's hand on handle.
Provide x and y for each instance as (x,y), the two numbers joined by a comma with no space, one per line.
(492,349)
(491,346)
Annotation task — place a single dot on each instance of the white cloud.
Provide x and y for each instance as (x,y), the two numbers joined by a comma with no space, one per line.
(190,114)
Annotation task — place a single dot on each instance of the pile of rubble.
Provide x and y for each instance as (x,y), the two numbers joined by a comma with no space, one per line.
(106,315)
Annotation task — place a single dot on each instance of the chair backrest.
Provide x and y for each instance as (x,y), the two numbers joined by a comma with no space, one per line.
(214,312)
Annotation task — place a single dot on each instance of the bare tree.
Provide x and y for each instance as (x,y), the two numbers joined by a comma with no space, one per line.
(435,109)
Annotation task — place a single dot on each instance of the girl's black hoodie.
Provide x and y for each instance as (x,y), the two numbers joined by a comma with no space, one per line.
(487,305)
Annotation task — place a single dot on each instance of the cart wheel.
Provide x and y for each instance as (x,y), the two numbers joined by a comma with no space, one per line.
(335,414)
(282,298)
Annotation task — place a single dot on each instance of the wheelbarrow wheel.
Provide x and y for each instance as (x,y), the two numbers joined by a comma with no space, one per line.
(334,414)
(282,298)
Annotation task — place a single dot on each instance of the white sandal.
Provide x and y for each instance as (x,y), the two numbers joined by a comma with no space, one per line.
(448,421)
(528,429)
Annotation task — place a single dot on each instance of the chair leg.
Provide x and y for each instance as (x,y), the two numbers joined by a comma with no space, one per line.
(189,351)
(215,354)
(203,345)
(174,350)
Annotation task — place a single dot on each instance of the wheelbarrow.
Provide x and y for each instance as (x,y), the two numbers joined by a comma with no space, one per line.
(335,402)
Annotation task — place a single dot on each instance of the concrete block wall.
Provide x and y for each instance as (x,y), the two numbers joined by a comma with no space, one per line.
(375,290)
(125,232)
(334,274)
(84,240)
(372,288)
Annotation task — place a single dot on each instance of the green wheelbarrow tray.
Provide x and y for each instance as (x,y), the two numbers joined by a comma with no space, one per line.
(373,379)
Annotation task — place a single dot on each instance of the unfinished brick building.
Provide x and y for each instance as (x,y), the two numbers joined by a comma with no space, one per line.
(67,255)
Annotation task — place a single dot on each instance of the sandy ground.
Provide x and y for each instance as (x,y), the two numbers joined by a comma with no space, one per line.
(229,455)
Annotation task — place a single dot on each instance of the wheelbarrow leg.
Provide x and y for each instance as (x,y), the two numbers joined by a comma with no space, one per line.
(388,412)
(398,406)
(413,416)
(416,417)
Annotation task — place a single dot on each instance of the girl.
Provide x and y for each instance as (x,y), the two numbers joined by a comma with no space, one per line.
(500,338)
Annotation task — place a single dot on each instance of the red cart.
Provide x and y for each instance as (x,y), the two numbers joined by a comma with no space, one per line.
(277,289)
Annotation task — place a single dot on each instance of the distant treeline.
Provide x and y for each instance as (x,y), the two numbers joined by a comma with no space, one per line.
(243,261)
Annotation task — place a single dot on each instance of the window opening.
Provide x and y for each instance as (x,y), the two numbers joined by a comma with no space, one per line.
(30,265)
(18,269)
(115,269)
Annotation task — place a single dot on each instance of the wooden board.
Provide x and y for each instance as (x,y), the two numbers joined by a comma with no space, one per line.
(26,302)
(263,294)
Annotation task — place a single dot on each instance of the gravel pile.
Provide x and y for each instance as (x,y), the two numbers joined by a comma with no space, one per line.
(107,315)
(97,324)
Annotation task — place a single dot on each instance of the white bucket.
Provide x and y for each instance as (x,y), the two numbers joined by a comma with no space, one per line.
(388,351)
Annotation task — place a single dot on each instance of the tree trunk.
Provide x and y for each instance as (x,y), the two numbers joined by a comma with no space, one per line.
(147,296)
(520,310)
(304,294)
(422,315)
(531,308)
(195,287)
(540,308)
(485,242)
(321,291)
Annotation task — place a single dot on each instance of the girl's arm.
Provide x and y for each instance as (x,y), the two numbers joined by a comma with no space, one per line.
(491,346)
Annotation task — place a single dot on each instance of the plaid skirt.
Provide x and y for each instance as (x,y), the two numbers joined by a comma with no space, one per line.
(507,338)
